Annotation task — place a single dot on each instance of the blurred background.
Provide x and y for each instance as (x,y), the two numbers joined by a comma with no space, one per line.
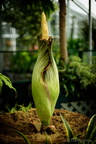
(19,28)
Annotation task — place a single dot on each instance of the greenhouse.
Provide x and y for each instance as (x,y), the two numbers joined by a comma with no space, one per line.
(48,72)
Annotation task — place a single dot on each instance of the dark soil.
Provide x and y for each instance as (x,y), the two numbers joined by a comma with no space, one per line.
(29,124)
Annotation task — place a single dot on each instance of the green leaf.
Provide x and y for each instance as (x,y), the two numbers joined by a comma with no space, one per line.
(69,131)
(12,110)
(94,142)
(1,84)
(66,89)
(93,134)
(90,127)
(7,82)
(23,136)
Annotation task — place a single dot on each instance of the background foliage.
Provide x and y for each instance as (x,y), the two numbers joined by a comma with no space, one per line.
(77,79)
(84,34)
(25,16)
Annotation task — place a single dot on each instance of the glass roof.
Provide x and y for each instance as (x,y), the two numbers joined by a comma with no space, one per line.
(84,6)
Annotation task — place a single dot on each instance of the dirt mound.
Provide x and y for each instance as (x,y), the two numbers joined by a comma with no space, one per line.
(29,124)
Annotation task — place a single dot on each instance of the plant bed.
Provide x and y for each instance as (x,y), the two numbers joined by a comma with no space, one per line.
(29,124)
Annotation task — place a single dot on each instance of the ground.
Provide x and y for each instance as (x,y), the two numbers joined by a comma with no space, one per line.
(30,125)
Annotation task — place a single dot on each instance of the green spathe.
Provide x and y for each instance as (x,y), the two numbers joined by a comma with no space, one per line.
(45,81)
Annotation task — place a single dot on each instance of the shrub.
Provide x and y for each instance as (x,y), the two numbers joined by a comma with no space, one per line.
(76,78)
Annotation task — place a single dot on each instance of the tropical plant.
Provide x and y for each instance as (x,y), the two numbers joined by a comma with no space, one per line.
(93,66)
(5,80)
(47,138)
(18,107)
(76,77)
(45,80)
(69,131)
(22,62)
(75,46)
(90,136)
(23,136)
(8,93)
(83,33)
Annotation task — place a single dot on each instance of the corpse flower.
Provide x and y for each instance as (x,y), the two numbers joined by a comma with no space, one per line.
(45,79)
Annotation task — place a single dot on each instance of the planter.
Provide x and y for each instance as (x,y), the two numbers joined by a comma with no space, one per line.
(29,124)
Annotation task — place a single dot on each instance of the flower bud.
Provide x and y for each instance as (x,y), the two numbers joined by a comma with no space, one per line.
(45,81)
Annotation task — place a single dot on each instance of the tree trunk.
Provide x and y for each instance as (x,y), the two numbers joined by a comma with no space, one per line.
(62,28)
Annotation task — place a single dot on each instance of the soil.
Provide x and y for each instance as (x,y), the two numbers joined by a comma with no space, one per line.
(30,125)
